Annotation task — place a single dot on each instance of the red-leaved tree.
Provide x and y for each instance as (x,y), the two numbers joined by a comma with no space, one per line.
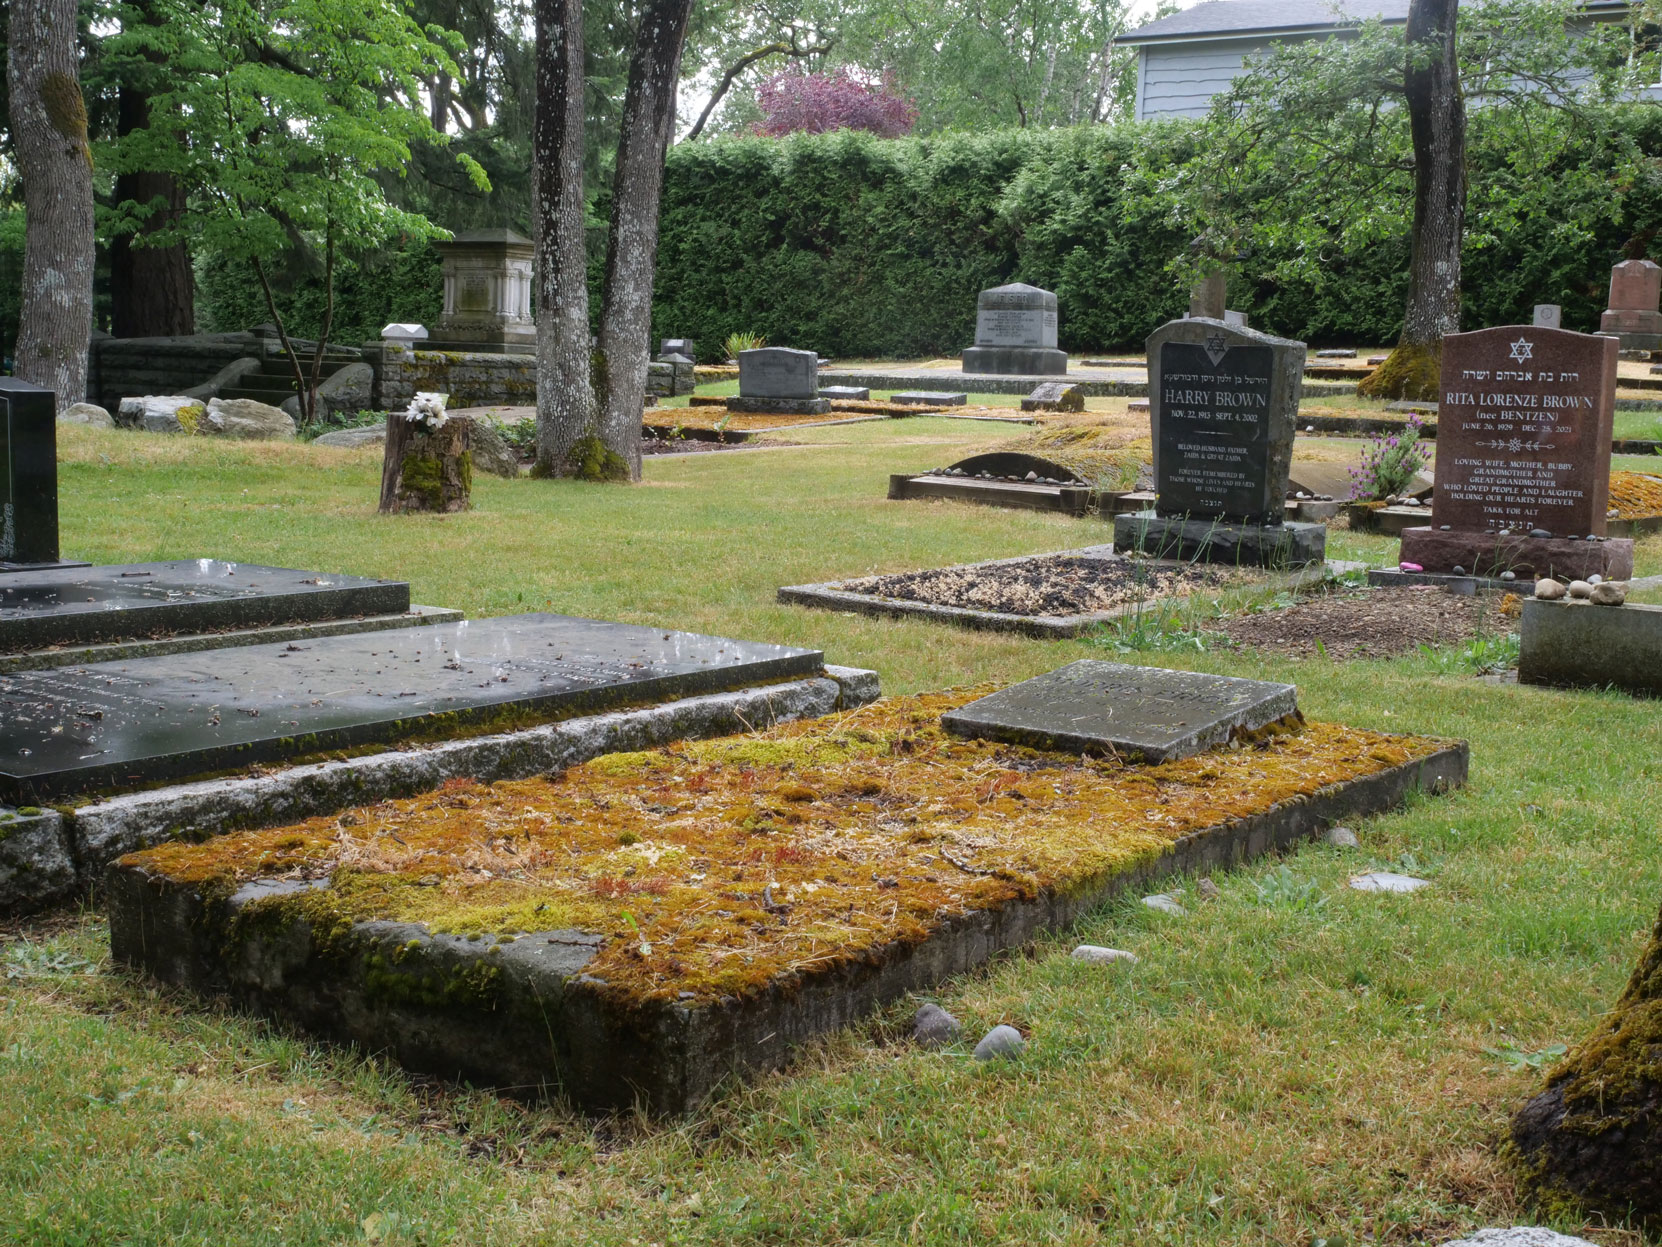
(794,101)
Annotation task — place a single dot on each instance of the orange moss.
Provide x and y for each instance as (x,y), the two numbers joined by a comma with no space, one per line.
(1634,495)
(721,865)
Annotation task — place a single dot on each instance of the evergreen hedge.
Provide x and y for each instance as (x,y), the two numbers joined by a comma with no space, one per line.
(859,246)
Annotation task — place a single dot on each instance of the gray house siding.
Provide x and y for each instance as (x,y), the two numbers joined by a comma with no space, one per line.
(1180,79)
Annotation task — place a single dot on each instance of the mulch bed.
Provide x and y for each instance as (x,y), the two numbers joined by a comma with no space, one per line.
(1061,585)
(1371,623)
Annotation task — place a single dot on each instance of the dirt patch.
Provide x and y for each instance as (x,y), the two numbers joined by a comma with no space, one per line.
(1373,623)
(695,446)
(1061,585)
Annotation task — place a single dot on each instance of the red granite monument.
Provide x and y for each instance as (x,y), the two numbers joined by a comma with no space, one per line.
(1523,457)
(1635,293)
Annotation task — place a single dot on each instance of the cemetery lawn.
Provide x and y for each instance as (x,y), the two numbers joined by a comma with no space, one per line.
(1291,1061)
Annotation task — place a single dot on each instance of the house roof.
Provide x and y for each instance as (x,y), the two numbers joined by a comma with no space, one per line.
(1235,19)
(1228,19)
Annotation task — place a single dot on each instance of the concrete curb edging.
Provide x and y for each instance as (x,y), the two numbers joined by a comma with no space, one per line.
(543,1026)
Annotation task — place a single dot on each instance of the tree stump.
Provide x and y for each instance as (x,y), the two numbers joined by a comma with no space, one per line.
(426,470)
(1593,1138)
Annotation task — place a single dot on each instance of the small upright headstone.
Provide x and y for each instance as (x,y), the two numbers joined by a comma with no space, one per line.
(1548,316)
(678,346)
(1223,410)
(1015,333)
(1206,300)
(1095,706)
(405,334)
(1635,292)
(779,380)
(846,393)
(28,476)
(1235,318)
(1523,457)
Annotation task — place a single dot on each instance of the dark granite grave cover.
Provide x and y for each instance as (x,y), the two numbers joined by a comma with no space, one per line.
(1223,406)
(1092,706)
(28,474)
(122,602)
(123,724)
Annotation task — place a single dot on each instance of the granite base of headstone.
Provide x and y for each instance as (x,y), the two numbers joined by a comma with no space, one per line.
(28,478)
(780,381)
(1223,406)
(1145,713)
(1015,333)
(1055,396)
(929,398)
(1523,457)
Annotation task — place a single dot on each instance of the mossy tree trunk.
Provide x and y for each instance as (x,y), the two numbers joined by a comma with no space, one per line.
(426,470)
(1437,123)
(49,134)
(1593,1138)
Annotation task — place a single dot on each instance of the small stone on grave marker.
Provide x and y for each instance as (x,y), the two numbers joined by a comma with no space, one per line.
(1091,705)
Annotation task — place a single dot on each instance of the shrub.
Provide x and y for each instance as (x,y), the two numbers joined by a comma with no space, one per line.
(1389,462)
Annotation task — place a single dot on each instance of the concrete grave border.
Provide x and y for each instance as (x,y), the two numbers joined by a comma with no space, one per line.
(827,596)
(96,833)
(540,1025)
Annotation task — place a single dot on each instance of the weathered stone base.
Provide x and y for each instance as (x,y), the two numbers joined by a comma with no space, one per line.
(1579,645)
(1068,499)
(521,1015)
(1216,541)
(1486,555)
(780,406)
(1026,361)
(36,869)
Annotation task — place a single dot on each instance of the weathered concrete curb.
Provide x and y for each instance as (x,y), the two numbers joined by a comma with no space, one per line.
(521,1015)
(827,596)
(1585,646)
(36,868)
(121,651)
(98,833)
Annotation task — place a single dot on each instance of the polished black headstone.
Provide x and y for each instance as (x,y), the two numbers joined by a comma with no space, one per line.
(134,601)
(113,726)
(1223,405)
(1097,707)
(28,474)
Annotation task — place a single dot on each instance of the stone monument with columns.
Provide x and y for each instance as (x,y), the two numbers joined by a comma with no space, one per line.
(487,292)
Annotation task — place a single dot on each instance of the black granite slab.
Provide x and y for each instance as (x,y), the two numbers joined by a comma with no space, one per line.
(1092,706)
(28,474)
(123,602)
(125,724)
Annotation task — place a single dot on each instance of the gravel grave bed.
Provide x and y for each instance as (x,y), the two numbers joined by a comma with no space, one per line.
(1061,585)
(1372,623)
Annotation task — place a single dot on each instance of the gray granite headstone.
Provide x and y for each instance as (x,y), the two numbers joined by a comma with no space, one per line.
(1223,405)
(1548,316)
(778,372)
(116,724)
(1094,706)
(1015,333)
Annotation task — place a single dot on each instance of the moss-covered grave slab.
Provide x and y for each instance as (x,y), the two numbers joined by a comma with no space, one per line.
(639,928)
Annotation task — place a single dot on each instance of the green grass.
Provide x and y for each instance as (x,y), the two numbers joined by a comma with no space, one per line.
(1291,1062)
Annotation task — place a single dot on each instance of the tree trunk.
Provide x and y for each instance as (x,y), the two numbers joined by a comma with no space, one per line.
(152,288)
(1437,122)
(566,414)
(49,132)
(632,248)
(426,471)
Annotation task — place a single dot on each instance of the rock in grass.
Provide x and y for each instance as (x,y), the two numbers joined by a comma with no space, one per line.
(934,1027)
(1520,1236)
(86,413)
(1099,955)
(1165,904)
(1342,838)
(1000,1041)
(1207,890)
(1387,881)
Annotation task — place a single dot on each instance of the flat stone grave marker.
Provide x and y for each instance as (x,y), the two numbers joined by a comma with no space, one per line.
(1055,396)
(1015,333)
(1094,706)
(74,606)
(111,725)
(929,398)
(28,476)
(845,393)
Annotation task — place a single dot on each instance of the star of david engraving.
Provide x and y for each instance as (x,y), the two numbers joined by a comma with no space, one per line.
(1217,346)
(1523,349)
